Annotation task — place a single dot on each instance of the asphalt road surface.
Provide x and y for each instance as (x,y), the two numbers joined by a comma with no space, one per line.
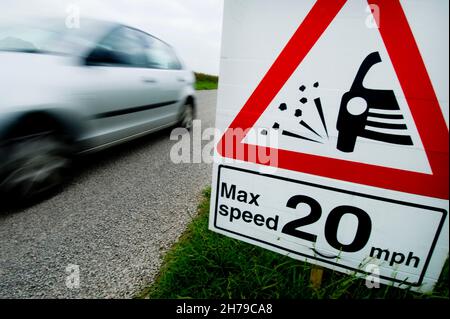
(114,221)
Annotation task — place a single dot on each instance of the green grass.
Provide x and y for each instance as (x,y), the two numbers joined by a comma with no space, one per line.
(206,82)
(204,264)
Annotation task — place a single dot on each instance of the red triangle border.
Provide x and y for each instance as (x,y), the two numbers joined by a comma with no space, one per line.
(416,85)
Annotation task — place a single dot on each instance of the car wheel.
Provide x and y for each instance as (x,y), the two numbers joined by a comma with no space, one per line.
(188,117)
(35,164)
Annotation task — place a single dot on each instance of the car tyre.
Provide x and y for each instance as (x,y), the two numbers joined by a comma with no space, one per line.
(187,117)
(35,164)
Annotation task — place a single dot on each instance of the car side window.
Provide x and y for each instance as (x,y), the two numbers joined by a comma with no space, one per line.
(121,47)
(160,55)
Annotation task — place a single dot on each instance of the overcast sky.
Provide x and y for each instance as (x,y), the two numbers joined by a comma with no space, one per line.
(193,27)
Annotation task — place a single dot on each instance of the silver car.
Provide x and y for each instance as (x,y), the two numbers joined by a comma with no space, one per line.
(68,91)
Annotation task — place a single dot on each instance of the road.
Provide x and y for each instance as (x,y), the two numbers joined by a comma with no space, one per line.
(114,220)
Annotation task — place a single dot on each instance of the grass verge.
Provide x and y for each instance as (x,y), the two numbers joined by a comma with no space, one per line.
(204,265)
(206,82)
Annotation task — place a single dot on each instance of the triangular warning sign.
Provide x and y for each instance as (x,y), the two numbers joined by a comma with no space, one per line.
(414,82)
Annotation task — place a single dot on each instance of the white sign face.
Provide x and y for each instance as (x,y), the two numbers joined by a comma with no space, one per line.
(335,144)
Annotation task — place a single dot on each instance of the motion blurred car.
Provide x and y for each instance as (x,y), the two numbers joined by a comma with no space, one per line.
(68,91)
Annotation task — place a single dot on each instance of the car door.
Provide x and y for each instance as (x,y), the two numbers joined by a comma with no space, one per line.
(164,66)
(123,94)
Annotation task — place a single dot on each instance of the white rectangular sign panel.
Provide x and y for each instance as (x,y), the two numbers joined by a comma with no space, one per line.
(334,143)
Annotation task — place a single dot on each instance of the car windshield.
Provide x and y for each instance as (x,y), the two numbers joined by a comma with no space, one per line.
(47,36)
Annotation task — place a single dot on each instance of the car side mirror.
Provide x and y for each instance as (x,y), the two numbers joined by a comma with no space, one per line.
(102,56)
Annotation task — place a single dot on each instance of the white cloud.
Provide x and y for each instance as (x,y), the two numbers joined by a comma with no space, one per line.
(193,27)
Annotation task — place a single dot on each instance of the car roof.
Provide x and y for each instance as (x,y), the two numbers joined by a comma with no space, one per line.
(90,29)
